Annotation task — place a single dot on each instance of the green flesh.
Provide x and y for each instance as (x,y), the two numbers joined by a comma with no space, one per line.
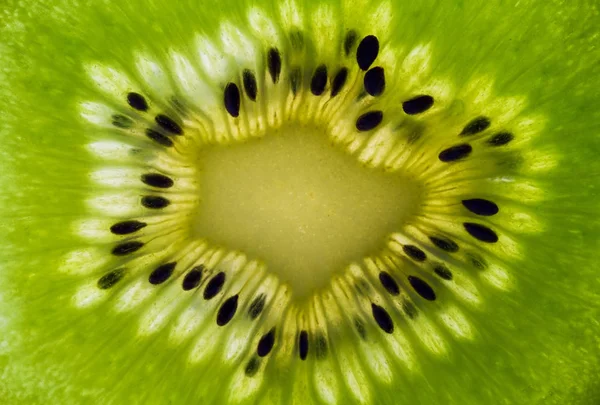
(533,339)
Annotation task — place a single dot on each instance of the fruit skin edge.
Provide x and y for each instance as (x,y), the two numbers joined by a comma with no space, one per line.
(29,379)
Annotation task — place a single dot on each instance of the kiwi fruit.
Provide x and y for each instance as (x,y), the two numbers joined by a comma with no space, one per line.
(299,202)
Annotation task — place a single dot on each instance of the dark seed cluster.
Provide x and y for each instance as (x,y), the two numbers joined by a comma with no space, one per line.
(165,129)
(166,126)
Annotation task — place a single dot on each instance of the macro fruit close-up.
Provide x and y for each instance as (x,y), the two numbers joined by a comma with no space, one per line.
(299,202)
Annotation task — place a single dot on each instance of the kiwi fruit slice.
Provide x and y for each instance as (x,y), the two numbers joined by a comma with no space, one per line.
(299,202)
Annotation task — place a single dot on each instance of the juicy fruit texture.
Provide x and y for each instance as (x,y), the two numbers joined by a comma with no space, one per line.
(111,296)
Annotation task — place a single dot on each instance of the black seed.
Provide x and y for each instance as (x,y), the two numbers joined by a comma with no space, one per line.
(227,310)
(127,248)
(480,206)
(500,139)
(110,279)
(127,227)
(162,273)
(231,98)
(443,272)
(367,51)
(157,180)
(360,328)
(158,137)
(192,279)
(382,318)
(137,101)
(303,345)
(409,309)
(295,77)
(319,80)
(214,286)
(416,132)
(252,367)
(444,244)
(338,81)
(374,81)
(274,64)
(369,120)
(481,232)
(168,124)
(477,261)
(414,253)
(422,288)
(155,202)
(121,121)
(257,306)
(297,39)
(349,41)
(362,287)
(250,84)
(476,126)
(265,345)
(320,346)
(417,105)
(455,152)
(389,283)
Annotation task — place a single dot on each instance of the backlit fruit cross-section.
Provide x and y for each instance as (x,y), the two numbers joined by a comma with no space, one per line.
(371,202)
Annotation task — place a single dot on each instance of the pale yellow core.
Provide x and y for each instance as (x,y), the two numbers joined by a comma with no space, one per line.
(300,204)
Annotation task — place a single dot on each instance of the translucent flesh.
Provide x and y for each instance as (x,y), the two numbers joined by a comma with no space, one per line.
(535,344)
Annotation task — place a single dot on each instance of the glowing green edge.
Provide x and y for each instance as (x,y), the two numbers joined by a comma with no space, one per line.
(549,353)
